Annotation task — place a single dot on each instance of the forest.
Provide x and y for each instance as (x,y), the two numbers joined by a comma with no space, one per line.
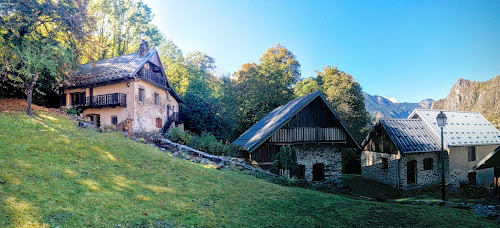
(43,42)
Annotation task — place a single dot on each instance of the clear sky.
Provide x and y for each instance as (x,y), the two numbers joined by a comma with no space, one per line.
(410,50)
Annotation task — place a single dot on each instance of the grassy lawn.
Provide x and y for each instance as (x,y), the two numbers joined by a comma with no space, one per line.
(358,185)
(54,173)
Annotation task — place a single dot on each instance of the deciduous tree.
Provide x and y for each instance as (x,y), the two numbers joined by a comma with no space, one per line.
(38,40)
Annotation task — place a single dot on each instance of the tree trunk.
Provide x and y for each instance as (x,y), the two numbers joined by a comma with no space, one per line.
(30,94)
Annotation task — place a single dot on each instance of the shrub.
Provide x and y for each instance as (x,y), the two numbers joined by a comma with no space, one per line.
(72,111)
(180,136)
(206,142)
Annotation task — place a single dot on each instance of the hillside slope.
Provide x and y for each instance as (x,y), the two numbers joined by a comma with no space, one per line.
(466,95)
(382,107)
(56,174)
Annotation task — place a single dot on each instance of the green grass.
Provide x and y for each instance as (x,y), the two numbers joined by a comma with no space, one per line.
(58,174)
(360,186)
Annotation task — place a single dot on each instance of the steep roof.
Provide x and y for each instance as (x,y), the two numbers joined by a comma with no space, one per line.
(462,128)
(119,67)
(411,135)
(277,118)
(116,68)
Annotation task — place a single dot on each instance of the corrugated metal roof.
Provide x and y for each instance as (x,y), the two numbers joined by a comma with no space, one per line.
(462,128)
(264,128)
(411,135)
(120,67)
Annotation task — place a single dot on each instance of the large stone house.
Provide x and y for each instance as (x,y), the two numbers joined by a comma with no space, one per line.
(312,127)
(406,153)
(130,92)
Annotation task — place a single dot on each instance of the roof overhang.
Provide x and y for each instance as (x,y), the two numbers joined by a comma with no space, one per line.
(491,160)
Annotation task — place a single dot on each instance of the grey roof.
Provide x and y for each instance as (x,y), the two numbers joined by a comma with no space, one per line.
(116,68)
(491,160)
(277,118)
(411,135)
(462,128)
(120,67)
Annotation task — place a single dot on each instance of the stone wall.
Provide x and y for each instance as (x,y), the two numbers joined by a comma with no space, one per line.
(396,172)
(329,155)
(429,177)
(371,167)
(146,112)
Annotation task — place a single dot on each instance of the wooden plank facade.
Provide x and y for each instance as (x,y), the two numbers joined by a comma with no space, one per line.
(314,124)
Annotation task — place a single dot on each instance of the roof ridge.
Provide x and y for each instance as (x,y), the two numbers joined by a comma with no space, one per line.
(118,56)
(444,110)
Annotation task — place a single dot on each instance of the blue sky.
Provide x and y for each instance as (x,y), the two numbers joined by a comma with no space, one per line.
(410,50)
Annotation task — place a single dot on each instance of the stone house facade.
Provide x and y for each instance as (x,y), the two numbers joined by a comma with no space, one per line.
(406,153)
(309,125)
(130,92)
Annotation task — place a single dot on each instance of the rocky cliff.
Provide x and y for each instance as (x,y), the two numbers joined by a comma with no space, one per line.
(382,107)
(466,95)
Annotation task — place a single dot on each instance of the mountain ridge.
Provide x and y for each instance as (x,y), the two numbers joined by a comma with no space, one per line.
(383,107)
(477,96)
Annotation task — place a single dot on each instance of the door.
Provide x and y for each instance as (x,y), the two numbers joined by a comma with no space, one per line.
(318,172)
(471,177)
(411,172)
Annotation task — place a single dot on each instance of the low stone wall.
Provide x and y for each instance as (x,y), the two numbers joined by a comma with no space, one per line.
(222,161)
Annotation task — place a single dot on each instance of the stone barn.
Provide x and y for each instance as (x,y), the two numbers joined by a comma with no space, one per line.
(311,126)
(405,153)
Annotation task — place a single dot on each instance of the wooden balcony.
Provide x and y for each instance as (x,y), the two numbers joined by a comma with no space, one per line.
(152,77)
(100,101)
(307,134)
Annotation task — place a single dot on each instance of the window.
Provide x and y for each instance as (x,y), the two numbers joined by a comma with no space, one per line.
(385,163)
(428,163)
(114,120)
(471,153)
(157,99)
(141,94)
(158,123)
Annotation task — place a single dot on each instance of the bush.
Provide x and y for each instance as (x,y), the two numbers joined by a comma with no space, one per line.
(180,136)
(206,142)
(72,111)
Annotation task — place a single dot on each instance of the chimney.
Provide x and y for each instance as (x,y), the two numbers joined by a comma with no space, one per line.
(143,48)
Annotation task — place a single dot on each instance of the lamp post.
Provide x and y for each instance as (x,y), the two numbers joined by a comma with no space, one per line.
(441,122)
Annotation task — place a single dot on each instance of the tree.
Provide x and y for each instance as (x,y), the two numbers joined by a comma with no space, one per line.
(344,93)
(120,27)
(306,86)
(259,88)
(286,161)
(206,115)
(38,40)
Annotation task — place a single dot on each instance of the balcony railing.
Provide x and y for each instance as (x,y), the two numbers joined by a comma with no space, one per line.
(105,100)
(176,117)
(152,76)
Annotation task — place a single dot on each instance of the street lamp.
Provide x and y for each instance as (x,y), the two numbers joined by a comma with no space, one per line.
(441,121)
